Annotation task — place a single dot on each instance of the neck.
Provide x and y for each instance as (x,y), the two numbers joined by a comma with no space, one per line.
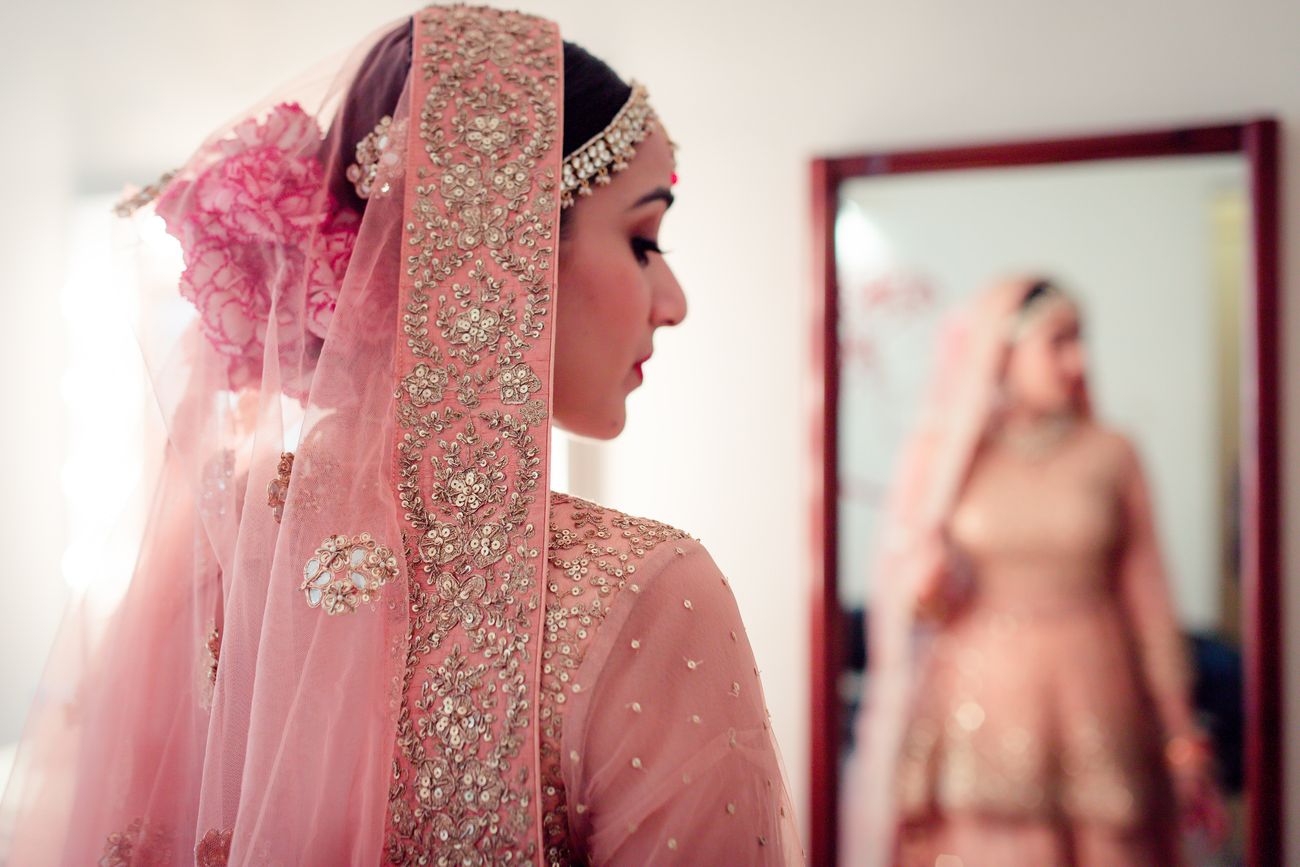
(1019,417)
(1033,433)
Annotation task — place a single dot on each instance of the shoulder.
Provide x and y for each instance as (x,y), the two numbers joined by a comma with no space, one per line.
(601,550)
(603,538)
(1112,446)
(1117,463)
(567,508)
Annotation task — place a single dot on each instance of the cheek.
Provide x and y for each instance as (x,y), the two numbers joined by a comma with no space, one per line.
(604,300)
(601,315)
(1065,367)
(1077,361)
(1032,371)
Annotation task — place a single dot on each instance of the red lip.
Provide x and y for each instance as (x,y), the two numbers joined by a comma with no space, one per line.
(641,364)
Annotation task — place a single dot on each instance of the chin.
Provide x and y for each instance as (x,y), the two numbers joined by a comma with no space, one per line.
(612,426)
(596,426)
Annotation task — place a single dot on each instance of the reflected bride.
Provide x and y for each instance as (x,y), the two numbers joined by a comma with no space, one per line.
(1044,717)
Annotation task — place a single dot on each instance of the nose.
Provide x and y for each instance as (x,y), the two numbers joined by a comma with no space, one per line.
(669,306)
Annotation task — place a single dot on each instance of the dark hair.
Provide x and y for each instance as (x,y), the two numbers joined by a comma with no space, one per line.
(1037,291)
(593,94)
(373,94)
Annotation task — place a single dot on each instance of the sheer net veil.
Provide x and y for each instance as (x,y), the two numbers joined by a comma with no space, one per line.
(357,409)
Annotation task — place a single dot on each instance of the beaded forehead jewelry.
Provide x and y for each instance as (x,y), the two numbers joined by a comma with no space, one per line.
(592,164)
(378,158)
(609,150)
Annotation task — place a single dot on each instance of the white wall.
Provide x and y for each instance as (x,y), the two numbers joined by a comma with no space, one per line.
(719,438)
(752,91)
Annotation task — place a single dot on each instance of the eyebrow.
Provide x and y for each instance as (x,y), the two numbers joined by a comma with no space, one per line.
(658,194)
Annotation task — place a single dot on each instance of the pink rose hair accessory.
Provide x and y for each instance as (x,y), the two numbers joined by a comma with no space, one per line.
(259,232)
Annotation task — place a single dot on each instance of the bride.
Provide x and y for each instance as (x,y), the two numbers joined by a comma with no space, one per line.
(361,628)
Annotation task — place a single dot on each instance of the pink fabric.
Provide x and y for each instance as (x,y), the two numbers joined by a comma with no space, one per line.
(136,755)
(470,466)
(1035,702)
(911,553)
(337,658)
(255,226)
(995,842)
(667,742)
(918,672)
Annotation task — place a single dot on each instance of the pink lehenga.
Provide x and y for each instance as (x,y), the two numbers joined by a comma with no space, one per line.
(360,628)
(1028,725)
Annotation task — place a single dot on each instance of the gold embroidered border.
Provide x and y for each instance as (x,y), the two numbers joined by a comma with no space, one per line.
(482,205)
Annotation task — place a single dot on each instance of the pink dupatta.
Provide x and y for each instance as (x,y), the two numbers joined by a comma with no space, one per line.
(331,656)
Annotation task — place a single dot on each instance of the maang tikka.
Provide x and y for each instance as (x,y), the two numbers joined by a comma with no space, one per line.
(379,157)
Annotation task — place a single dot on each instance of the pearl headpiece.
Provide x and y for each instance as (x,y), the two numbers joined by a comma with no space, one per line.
(1047,296)
(609,150)
(378,156)
(592,164)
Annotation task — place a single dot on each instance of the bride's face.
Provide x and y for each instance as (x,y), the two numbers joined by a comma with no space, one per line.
(615,290)
(1047,367)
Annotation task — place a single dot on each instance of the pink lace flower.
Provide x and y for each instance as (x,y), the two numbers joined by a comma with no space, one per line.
(257,233)
(330,253)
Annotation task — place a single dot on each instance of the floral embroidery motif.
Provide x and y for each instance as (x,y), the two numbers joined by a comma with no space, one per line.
(462,185)
(139,845)
(249,220)
(211,658)
(424,385)
(214,849)
(518,383)
(277,490)
(346,572)
(487,134)
(471,412)
(475,328)
(487,544)
(512,180)
(441,543)
(378,159)
(461,600)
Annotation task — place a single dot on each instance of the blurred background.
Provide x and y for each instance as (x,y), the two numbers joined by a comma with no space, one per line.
(719,441)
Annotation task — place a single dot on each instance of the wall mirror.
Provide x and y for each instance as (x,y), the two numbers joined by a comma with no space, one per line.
(1168,241)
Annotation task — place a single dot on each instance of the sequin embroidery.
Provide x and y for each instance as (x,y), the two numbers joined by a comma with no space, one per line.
(482,214)
(345,572)
(594,552)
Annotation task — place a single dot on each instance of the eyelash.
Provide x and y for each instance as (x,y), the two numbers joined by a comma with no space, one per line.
(643,246)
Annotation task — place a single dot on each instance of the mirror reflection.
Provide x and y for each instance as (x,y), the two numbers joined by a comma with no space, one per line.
(1038,513)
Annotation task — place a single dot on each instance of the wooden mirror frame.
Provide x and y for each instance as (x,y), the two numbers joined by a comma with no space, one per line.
(1260,460)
